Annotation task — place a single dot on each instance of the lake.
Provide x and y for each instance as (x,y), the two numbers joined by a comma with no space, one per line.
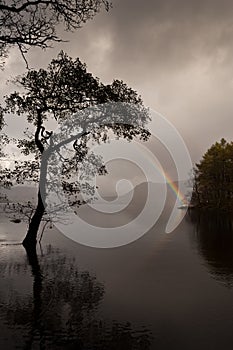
(162,291)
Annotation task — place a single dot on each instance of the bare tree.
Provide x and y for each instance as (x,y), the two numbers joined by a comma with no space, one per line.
(33,23)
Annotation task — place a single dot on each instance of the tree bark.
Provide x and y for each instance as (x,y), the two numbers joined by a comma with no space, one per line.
(31,237)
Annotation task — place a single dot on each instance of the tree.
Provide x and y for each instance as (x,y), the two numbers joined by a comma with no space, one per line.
(32,23)
(58,93)
(213,178)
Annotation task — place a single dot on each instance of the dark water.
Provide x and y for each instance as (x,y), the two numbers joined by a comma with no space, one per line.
(160,292)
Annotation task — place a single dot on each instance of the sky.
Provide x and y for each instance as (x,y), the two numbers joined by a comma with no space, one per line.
(177,54)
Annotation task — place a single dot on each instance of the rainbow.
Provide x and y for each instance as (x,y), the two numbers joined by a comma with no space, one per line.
(173,186)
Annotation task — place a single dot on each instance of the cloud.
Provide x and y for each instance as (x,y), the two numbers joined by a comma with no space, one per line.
(177,54)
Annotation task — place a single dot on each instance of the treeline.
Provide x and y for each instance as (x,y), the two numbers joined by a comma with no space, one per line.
(213,178)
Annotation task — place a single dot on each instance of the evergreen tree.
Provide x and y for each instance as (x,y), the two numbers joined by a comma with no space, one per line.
(213,178)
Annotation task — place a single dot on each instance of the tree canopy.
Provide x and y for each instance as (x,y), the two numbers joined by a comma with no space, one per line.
(213,178)
(58,93)
(33,23)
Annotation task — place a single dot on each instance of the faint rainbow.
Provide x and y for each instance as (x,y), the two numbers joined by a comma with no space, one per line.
(174,188)
(169,181)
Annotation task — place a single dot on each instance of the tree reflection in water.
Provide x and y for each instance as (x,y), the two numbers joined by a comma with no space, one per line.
(214,238)
(62,310)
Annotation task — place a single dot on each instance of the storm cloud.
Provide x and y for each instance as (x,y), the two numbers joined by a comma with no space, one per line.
(177,54)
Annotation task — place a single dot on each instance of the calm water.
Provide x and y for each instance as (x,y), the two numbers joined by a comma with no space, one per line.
(160,292)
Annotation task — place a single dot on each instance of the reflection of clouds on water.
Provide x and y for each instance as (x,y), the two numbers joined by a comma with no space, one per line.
(214,238)
(47,302)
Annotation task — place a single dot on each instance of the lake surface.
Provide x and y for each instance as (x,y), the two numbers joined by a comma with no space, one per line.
(163,291)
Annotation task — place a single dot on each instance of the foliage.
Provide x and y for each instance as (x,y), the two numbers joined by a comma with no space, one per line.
(57,94)
(33,23)
(213,178)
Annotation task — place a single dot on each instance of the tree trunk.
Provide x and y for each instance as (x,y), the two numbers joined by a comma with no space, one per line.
(31,237)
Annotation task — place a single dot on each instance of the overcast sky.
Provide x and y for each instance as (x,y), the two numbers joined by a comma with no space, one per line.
(177,54)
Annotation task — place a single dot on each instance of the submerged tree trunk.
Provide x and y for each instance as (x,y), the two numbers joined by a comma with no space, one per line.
(37,329)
